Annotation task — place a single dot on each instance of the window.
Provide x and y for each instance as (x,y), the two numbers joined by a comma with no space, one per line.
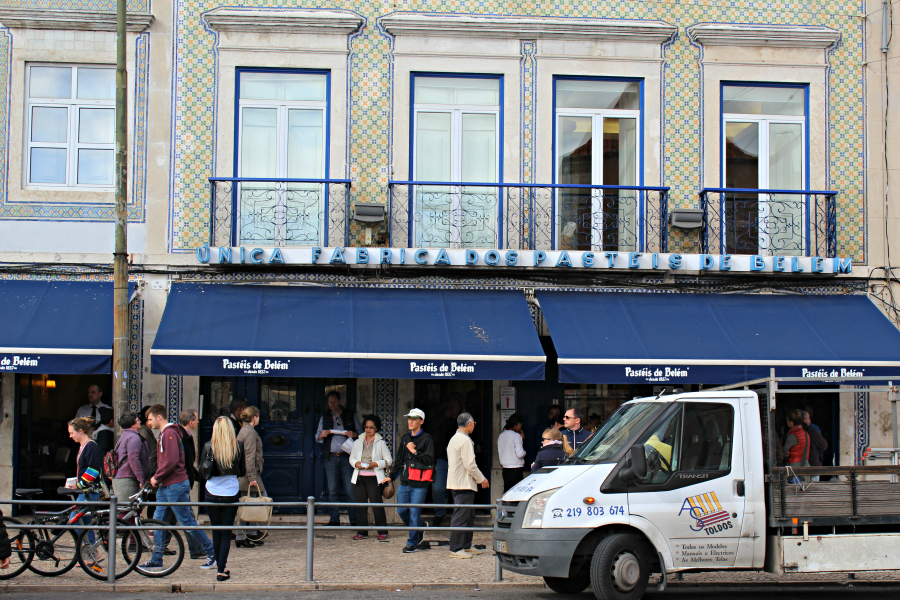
(597,143)
(457,139)
(283,134)
(661,448)
(708,434)
(70,126)
(764,147)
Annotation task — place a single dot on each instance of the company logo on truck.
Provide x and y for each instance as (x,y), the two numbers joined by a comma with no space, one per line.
(707,513)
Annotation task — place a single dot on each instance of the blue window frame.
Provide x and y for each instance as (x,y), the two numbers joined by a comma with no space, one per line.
(598,140)
(765,146)
(282,129)
(456,137)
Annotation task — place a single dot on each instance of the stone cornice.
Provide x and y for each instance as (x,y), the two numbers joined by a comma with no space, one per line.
(770,37)
(528,28)
(78,20)
(284,21)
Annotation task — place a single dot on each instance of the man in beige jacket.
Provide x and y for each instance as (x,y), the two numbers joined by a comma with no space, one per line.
(463,478)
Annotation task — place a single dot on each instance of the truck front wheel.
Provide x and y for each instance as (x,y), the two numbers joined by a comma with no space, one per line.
(619,569)
(570,585)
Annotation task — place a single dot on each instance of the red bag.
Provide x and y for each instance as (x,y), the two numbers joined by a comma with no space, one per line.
(424,475)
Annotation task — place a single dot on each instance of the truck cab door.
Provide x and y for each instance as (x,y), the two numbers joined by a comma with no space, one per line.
(693,491)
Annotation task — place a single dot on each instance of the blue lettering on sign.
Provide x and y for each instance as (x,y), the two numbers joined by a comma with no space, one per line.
(471,257)
(817,264)
(362,256)
(725,262)
(512,258)
(611,257)
(276,257)
(491,257)
(402,256)
(706,262)
(421,255)
(539,257)
(757,263)
(203,253)
(243,255)
(795,265)
(225,255)
(675,261)
(587,259)
(387,256)
(316,253)
(778,264)
(442,258)
(564,260)
(842,265)
(256,256)
(337,258)
(655,260)
(633,260)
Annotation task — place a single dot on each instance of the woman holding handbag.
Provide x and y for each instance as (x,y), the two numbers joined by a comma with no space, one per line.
(253,446)
(369,458)
(221,463)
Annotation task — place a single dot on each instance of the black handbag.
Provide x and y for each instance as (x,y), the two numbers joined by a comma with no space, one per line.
(207,462)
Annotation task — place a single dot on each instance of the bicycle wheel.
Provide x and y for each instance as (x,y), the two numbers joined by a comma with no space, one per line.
(93,556)
(169,562)
(22,544)
(54,551)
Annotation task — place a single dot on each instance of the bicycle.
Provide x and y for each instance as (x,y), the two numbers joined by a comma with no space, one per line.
(172,558)
(22,544)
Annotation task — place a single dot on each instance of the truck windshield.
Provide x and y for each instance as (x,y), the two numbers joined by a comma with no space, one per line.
(618,431)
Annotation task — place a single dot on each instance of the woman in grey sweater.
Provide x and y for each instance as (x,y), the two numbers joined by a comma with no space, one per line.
(253,447)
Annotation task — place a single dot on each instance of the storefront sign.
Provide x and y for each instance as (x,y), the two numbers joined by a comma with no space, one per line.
(555,259)
(711,373)
(60,362)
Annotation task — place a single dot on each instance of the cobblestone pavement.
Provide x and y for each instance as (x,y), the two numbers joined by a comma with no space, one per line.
(340,560)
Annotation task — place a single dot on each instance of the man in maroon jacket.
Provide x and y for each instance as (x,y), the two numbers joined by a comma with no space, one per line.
(171,477)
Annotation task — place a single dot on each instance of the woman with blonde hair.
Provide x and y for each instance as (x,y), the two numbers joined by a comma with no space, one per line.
(221,463)
(555,450)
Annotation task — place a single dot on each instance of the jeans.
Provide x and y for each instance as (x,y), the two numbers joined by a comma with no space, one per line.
(462,517)
(338,473)
(179,492)
(367,490)
(85,520)
(221,515)
(439,487)
(412,517)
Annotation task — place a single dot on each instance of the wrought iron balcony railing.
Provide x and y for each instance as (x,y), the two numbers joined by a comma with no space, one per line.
(528,216)
(768,222)
(253,211)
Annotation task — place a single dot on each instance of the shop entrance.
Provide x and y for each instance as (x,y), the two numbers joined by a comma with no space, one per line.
(289,409)
(44,454)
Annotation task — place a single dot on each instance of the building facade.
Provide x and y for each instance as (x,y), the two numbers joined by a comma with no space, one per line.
(335,154)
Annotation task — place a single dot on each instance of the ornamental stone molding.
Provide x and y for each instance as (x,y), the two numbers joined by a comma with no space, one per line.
(284,21)
(529,28)
(762,36)
(77,20)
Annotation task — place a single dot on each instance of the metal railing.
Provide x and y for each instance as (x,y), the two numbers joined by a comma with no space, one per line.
(768,222)
(526,216)
(310,527)
(260,211)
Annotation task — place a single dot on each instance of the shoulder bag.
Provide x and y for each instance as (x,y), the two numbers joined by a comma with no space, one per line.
(255,514)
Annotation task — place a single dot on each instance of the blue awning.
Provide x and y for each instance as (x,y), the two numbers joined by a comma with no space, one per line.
(60,327)
(716,338)
(298,331)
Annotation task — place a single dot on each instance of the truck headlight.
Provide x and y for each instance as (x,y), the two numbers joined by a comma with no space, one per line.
(534,513)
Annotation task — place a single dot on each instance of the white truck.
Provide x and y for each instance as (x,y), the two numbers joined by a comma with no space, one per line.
(683,483)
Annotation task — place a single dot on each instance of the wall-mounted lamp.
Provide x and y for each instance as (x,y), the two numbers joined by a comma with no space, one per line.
(51,383)
(367,212)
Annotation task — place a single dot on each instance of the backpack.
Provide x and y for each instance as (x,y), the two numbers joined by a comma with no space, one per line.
(110,463)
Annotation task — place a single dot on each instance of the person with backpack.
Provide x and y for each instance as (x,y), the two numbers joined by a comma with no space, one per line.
(415,466)
(131,458)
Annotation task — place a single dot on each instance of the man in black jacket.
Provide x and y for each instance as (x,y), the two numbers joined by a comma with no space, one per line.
(414,464)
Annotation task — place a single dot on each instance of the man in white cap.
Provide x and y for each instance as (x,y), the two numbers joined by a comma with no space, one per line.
(415,465)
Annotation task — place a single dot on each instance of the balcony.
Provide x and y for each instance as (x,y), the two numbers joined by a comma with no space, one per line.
(429,214)
(768,222)
(253,211)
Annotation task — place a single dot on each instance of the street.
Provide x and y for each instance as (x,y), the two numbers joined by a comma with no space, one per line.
(857,591)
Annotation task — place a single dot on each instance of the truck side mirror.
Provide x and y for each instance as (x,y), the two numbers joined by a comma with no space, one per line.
(635,464)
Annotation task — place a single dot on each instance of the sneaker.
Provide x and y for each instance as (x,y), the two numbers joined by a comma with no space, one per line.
(209,564)
(474,551)
(360,537)
(382,537)
(150,566)
(460,554)
(409,549)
